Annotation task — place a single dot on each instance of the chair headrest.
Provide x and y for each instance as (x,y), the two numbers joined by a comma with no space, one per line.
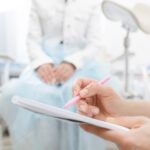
(142,13)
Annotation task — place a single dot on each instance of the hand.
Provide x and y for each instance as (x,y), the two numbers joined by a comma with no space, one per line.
(46,73)
(64,71)
(138,138)
(98,101)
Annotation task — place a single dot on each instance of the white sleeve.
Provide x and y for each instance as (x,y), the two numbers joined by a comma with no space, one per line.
(94,49)
(34,39)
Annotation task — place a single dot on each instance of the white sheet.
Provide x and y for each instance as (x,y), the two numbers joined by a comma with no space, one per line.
(62,114)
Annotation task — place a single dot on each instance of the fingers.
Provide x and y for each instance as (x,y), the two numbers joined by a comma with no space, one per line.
(111,135)
(129,122)
(65,75)
(86,109)
(42,75)
(60,74)
(94,89)
(80,84)
(46,73)
(63,72)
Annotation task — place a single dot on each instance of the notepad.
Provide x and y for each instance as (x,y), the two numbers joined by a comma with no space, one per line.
(62,114)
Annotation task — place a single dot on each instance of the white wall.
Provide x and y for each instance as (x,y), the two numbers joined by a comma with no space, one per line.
(13,27)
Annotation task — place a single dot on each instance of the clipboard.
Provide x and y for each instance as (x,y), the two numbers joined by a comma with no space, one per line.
(62,114)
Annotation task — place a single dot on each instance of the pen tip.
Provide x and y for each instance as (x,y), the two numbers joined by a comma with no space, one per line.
(65,106)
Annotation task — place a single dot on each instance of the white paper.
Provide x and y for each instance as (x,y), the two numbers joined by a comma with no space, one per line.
(62,114)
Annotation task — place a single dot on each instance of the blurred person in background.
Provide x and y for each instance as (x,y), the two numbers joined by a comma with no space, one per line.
(64,42)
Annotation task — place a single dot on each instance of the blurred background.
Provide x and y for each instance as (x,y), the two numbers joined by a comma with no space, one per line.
(14,23)
(14,15)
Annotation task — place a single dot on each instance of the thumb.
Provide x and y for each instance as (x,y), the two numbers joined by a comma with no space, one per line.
(129,122)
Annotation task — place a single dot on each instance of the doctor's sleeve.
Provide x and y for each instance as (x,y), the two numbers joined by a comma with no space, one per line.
(34,39)
(94,48)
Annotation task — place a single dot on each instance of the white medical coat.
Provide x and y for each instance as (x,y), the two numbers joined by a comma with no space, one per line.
(77,23)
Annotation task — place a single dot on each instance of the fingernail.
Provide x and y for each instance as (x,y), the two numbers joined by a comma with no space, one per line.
(82,108)
(75,92)
(84,92)
(95,111)
(110,119)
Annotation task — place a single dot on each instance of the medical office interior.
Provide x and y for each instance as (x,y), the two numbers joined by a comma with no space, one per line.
(125,42)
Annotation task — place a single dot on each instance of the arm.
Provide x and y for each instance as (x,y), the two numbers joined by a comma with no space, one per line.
(101,102)
(106,101)
(137,108)
(94,48)
(34,40)
(137,138)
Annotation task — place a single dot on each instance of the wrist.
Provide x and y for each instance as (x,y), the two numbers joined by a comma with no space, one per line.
(72,65)
(138,108)
(131,108)
(125,108)
(42,65)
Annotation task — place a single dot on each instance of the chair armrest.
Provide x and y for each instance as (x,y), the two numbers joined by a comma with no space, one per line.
(6,57)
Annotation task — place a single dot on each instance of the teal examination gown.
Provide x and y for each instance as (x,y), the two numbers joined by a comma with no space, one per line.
(31,131)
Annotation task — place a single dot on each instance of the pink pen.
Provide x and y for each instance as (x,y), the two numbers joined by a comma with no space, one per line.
(75,99)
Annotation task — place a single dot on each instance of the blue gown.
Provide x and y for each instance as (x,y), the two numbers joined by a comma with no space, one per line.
(31,131)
